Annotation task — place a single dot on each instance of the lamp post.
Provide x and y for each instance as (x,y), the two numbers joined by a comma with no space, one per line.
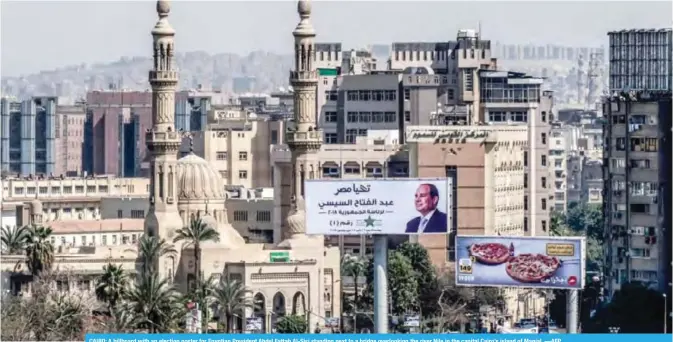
(665,314)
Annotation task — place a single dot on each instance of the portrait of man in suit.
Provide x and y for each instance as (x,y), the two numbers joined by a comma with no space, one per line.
(431,220)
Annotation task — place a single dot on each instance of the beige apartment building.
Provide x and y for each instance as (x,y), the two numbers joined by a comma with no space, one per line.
(69,198)
(237,143)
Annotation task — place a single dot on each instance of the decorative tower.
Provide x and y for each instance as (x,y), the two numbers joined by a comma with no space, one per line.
(162,140)
(305,140)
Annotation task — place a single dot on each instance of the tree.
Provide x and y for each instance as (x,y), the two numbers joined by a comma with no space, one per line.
(150,249)
(153,299)
(585,218)
(354,267)
(196,233)
(231,297)
(402,286)
(203,293)
(47,314)
(14,239)
(112,285)
(292,324)
(39,250)
(425,275)
(634,309)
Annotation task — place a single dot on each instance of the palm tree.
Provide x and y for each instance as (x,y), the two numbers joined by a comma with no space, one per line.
(39,250)
(123,319)
(355,267)
(153,299)
(194,234)
(203,294)
(150,250)
(231,297)
(112,286)
(14,239)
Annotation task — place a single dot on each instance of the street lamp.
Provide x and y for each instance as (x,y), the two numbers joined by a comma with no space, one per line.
(665,314)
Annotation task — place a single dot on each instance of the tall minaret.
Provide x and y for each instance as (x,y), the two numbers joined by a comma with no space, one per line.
(304,142)
(162,139)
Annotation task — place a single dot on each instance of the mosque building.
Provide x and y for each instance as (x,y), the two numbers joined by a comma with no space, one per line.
(297,276)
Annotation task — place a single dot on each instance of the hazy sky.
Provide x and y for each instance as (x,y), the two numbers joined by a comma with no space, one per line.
(38,35)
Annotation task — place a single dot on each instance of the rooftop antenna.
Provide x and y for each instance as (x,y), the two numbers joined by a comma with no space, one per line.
(479,30)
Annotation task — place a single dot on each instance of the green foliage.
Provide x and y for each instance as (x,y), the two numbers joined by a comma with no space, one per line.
(112,285)
(583,220)
(425,274)
(402,285)
(292,324)
(196,233)
(39,250)
(354,267)
(231,297)
(14,239)
(634,309)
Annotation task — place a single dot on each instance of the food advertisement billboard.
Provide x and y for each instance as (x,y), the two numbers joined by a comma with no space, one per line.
(541,262)
(405,206)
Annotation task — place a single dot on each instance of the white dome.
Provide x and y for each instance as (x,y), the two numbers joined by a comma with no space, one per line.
(198,180)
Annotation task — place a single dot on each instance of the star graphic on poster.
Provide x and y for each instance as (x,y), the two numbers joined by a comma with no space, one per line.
(369,222)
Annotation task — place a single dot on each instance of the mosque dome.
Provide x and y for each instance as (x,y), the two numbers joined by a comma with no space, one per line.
(36,206)
(296,221)
(198,180)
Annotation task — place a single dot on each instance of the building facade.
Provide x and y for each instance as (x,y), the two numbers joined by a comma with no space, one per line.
(28,135)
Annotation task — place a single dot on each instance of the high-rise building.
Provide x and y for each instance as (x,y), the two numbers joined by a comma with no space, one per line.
(28,135)
(641,59)
(637,160)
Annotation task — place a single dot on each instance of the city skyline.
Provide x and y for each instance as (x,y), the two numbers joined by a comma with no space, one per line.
(574,24)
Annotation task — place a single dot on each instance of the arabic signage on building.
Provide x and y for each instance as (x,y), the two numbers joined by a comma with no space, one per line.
(279,256)
(531,262)
(378,206)
(442,135)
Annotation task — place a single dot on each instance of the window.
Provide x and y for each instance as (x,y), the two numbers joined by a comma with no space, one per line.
(390,95)
(543,203)
(620,144)
(331,138)
(103,189)
(352,95)
(544,116)
(83,240)
(407,116)
(377,95)
(644,189)
(330,171)
(330,116)
(240,216)
(274,136)
(618,163)
(519,116)
(497,116)
(243,174)
(544,225)
(137,214)
(525,224)
(543,137)
(525,181)
(90,188)
(543,160)
(114,239)
(390,117)
(407,94)
(644,144)
(365,117)
(558,162)
(221,155)
(352,169)
(263,216)
(640,252)
(243,156)
(350,136)
(62,286)
(79,189)
(374,171)
(638,208)
(352,116)
(55,190)
(103,242)
(18,191)
(450,94)
(525,158)
(543,181)
(364,95)
(120,213)
(525,202)
(638,163)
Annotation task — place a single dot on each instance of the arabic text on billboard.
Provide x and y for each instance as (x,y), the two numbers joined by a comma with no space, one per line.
(377,206)
(544,262)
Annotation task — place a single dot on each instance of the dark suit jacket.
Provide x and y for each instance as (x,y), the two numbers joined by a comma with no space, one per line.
(436,224)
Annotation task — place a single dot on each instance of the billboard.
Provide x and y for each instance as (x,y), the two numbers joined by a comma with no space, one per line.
(378,206)
(517,261)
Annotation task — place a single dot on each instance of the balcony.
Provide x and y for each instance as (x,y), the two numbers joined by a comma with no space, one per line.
(311,139)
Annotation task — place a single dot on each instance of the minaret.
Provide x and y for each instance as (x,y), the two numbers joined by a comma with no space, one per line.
(162,139)
(305,140)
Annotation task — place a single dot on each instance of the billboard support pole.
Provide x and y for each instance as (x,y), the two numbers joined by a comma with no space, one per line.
(381,284)
(572,306)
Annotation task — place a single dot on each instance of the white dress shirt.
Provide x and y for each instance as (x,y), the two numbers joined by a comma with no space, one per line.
(424,221)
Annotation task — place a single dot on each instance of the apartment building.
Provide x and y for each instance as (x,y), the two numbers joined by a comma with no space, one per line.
(66,198)
(69,140)
(28,135)
(558,154)
(236,142)
(250,212)
(637,190)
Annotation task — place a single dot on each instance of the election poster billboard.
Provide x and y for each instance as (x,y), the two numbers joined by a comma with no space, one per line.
(518,261)
(400,206)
